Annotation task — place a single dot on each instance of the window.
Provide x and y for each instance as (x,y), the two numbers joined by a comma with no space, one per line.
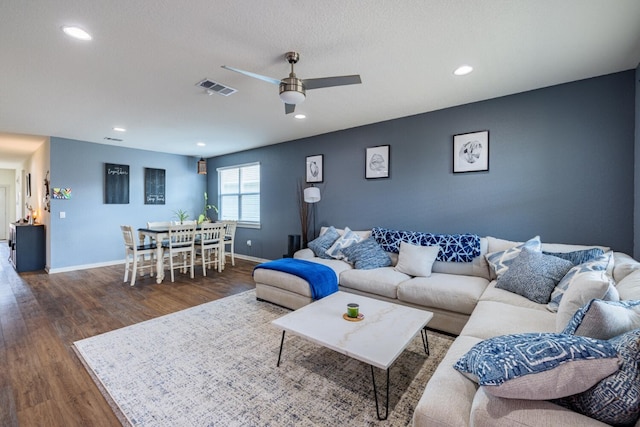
(239,192)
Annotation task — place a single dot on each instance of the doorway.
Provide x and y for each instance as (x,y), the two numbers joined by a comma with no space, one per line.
(4,226)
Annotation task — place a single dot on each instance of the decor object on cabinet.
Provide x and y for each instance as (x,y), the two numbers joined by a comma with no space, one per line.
(315,168)
(377,162)
(154,186)
(116,184)
(471,152)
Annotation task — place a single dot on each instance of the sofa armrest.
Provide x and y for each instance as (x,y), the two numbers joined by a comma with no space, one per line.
(305,253)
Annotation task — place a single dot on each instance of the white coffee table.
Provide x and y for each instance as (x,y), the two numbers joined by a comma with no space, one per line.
(378,339)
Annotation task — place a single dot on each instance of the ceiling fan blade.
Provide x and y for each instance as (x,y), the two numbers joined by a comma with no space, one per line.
(254,75)
(332,81)
(289,108)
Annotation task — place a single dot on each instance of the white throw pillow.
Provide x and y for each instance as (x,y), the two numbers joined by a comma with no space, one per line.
(416,260)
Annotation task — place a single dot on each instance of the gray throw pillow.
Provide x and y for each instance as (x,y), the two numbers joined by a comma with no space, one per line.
(534,275)
(578,257)
(320,245)
(604,320)
(366,255)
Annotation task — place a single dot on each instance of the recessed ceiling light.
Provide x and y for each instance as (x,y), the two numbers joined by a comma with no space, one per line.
(119,129)
(201,144)
(300,116)
(463,70)
(76,33)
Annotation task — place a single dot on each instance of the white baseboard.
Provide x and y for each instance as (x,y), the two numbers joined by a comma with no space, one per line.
(109,263)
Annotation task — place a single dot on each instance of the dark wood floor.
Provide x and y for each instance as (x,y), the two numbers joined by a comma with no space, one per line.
(42,382)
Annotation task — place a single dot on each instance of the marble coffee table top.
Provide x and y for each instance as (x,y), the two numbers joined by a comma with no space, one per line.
(378,339)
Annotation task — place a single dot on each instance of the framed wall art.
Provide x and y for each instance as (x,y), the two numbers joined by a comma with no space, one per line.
(315,168)
(116,184)
(471,152)
(377,162)
(154,186)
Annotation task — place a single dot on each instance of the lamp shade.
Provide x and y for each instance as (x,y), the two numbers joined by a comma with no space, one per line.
(311,194)
(292,97)
(202,166)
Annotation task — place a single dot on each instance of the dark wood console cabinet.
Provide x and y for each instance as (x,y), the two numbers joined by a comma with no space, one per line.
(27,251)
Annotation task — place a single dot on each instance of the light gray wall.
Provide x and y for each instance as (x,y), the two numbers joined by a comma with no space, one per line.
(561,166)
(90,233)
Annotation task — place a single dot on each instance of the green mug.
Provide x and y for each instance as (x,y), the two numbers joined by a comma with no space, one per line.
(352,310)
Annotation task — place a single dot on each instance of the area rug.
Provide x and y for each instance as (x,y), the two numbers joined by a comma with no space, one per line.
(215,364)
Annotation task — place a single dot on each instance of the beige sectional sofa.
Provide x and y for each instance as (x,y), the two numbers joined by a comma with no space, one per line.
(465,302)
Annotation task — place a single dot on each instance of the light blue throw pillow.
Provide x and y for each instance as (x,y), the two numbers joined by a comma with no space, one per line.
(604,320)
(500,261)
(320,245)
(534,275)
(366,255)
(538,366)
(347,239)
(616,399)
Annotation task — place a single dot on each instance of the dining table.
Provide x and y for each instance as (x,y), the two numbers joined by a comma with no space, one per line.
(157,235)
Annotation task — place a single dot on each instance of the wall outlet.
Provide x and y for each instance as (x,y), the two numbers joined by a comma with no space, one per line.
(63,215)
(248,242)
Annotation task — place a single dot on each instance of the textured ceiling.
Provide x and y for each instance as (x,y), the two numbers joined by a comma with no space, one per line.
(141,68)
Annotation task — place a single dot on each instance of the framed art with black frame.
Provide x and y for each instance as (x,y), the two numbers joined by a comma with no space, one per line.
(377,162)
(471,152)
(315,168)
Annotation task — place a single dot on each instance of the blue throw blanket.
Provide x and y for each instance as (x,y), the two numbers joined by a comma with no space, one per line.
(322,280)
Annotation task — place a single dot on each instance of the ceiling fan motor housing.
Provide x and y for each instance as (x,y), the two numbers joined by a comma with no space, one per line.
(292,90)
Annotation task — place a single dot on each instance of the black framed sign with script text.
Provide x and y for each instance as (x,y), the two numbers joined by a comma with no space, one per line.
(154,186)
(116,184)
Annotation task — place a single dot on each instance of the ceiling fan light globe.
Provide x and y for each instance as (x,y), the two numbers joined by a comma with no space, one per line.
(292,91)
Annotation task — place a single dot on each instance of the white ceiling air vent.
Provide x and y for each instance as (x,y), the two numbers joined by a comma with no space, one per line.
(215,87)
(108,138)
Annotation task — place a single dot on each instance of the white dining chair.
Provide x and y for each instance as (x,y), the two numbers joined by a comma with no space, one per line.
(209,245)
(136,260)
(229,240)
(181,248)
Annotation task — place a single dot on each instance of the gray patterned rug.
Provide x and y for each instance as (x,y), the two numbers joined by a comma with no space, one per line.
(215,364)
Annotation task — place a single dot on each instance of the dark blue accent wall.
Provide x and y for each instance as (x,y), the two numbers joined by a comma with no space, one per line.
(561,166)
(636,232)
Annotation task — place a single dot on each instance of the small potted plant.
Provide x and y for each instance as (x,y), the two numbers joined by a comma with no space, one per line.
(181,215)
(203,217)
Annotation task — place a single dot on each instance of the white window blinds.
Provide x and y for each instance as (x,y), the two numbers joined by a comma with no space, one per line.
(239,192)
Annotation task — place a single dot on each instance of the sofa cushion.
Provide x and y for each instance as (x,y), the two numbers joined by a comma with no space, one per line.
(623,266)
(578,257)
(320,245)
(494,294)
(605,319)
(345,240)
(580,275)
(534,275)
(629,287)
(493,411)
(447,397)
(492,318)
(538,365)
(366,255)
(616,399)
(459,294)
(416,260)
(577,296)
(499,262)
(379,281)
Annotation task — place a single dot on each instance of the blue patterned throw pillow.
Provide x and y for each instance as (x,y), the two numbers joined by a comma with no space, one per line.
(366,255)
(604,320)
(500,261)
(320,245)
(454,247)
(534,275)
(578,257)
(538,366)
(616,399)
(347,239)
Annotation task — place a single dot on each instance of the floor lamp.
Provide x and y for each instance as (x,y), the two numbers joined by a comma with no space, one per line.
(312,195)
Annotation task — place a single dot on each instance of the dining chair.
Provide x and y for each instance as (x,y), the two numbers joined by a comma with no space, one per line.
(157,225)
(185,222)
(209,244)
(181,247)
(136,255)
(229,240)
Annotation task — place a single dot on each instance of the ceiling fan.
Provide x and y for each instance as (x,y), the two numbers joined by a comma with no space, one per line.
(293,89)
